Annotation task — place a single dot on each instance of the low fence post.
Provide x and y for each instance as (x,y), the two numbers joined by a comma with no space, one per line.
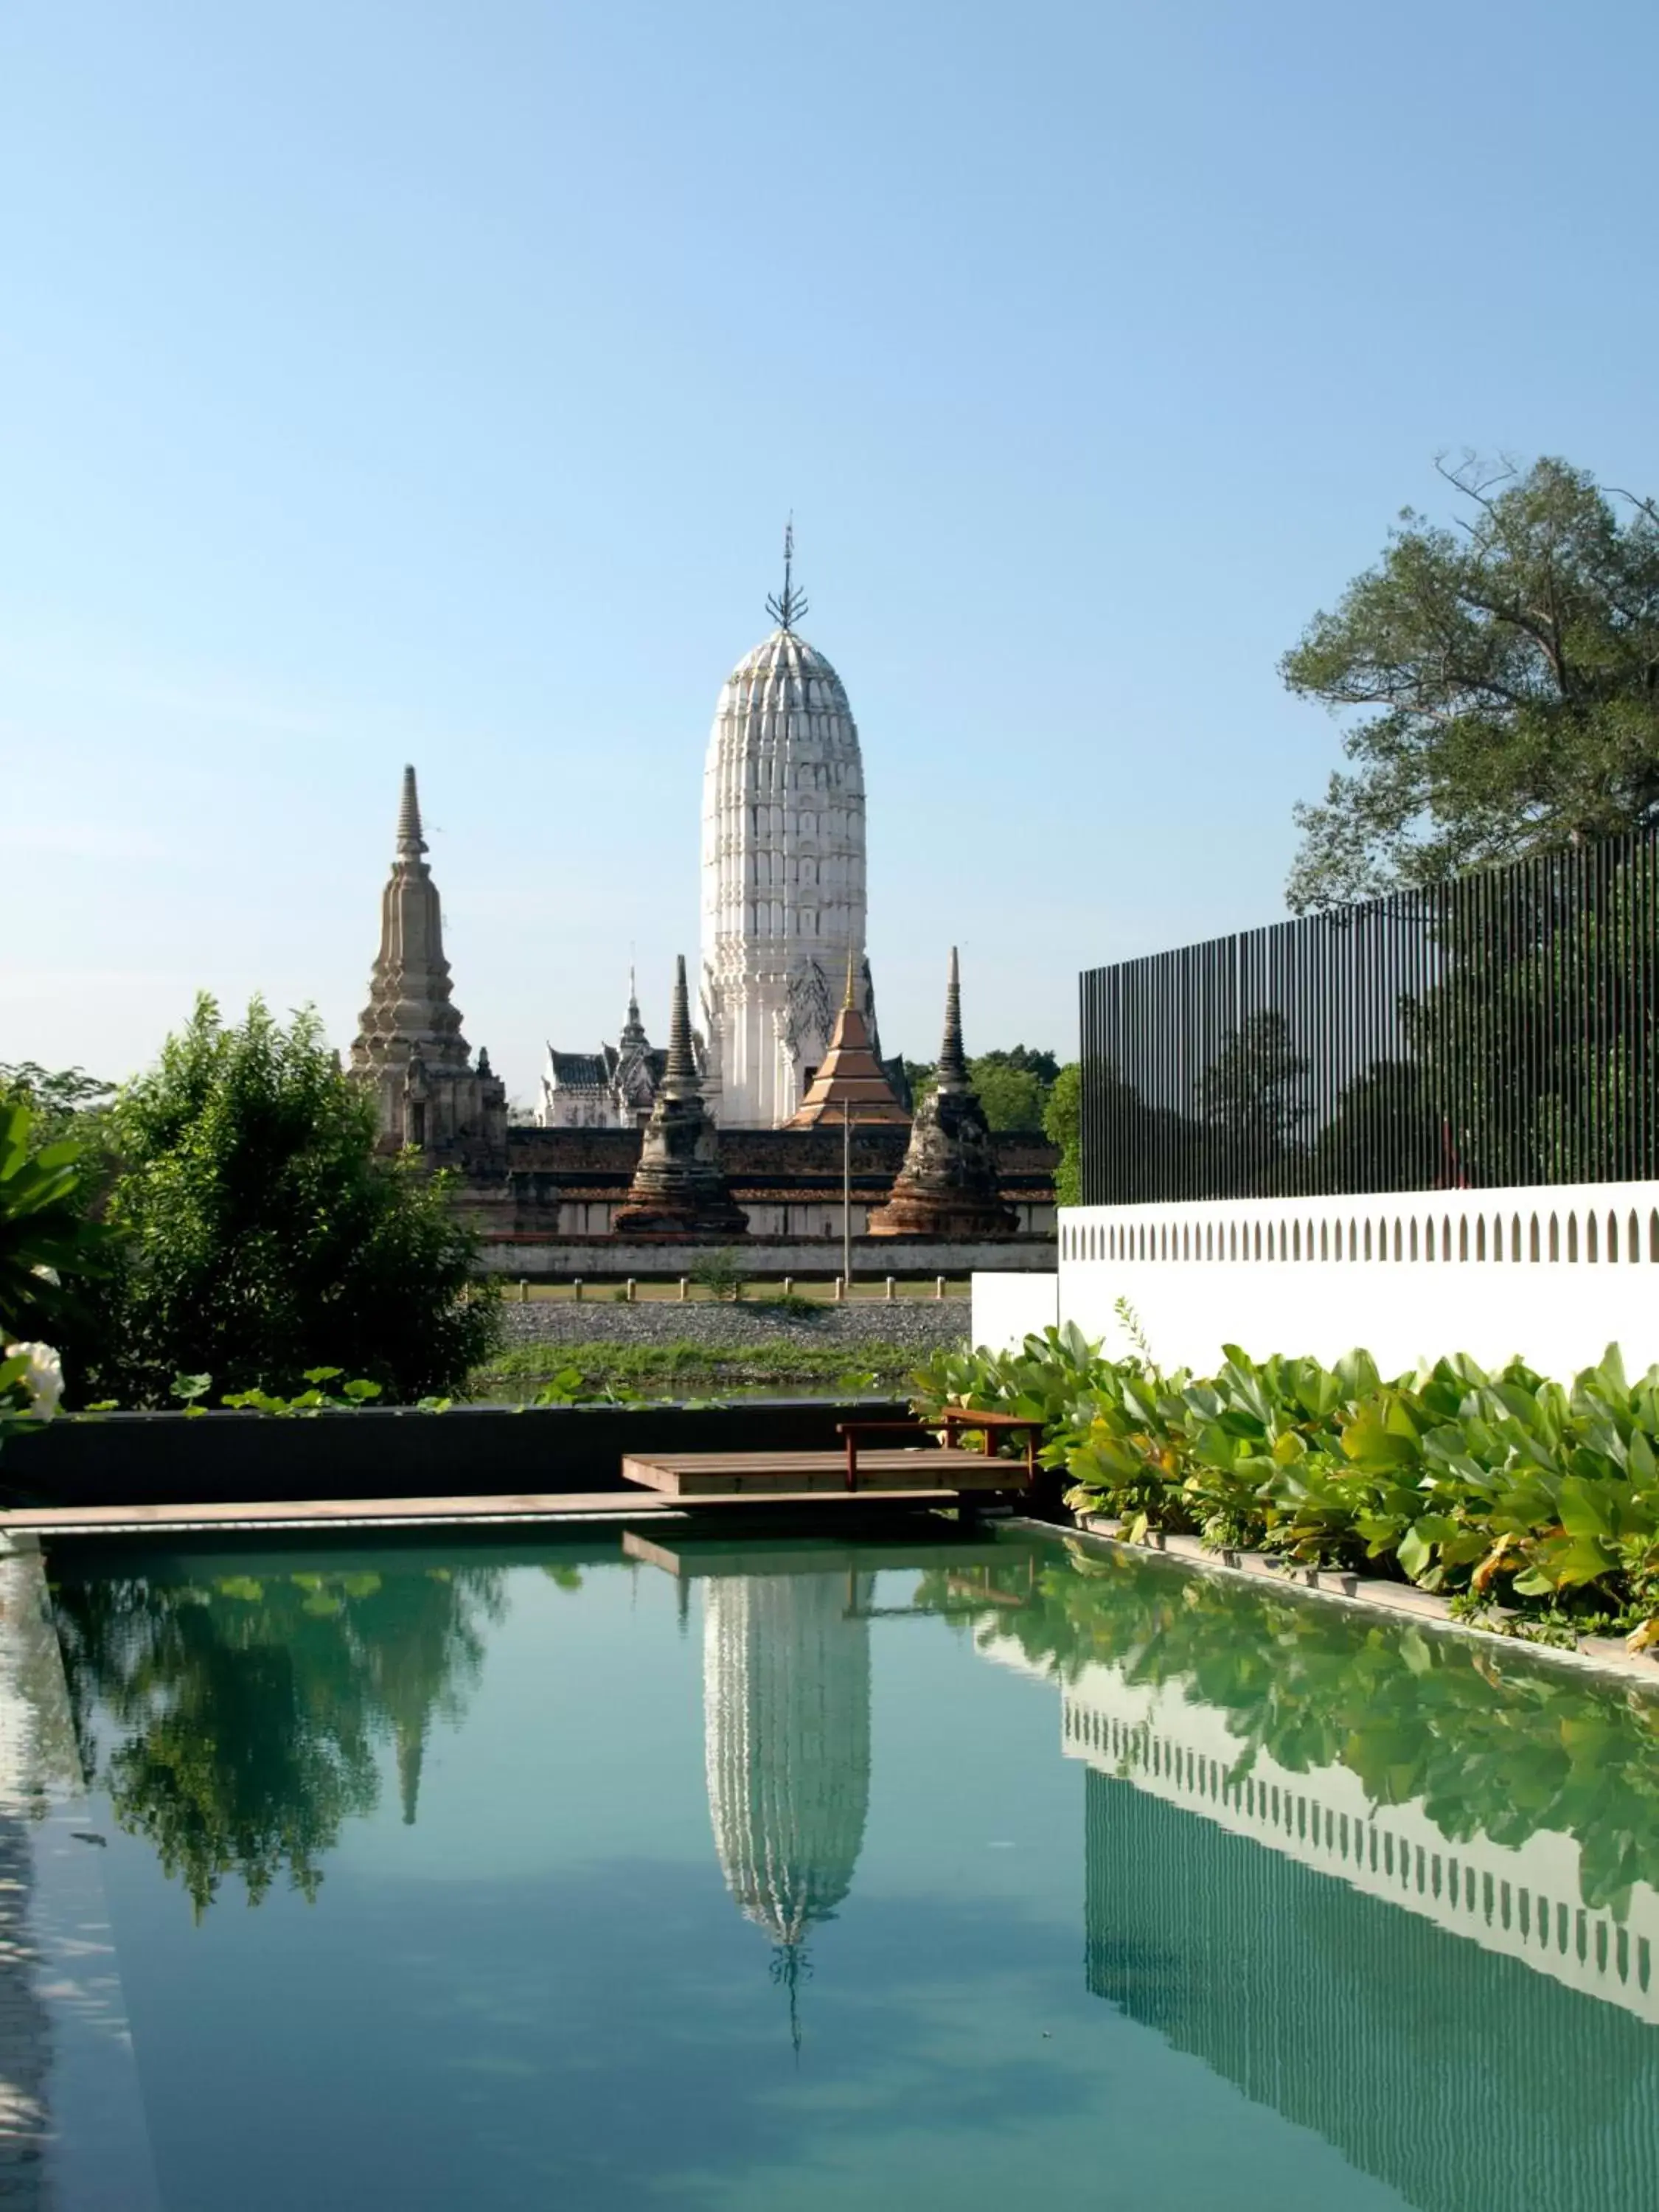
(630,1290)
(890,1290)
(524,1291)
(685,1285)
(939,1286)
(578,1286)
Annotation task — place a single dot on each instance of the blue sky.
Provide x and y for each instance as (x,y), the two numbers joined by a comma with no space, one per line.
(406,381)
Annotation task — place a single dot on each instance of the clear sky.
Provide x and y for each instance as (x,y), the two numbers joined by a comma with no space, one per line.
(385,381)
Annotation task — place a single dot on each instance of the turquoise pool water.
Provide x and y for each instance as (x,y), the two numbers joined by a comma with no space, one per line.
(968,1874)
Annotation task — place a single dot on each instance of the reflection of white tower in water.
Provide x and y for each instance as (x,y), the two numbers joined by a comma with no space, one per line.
(786,1687)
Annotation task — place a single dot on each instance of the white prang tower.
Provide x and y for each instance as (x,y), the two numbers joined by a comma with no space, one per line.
(782,872)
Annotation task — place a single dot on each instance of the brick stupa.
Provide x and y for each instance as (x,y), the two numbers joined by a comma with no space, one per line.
(948,1186)
(678,1188)
(850,1084)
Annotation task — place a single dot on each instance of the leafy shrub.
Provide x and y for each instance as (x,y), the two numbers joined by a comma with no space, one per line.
(719,1273)
(1486,1486)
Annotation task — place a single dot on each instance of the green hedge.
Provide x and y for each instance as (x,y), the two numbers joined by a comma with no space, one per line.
(1502,1491)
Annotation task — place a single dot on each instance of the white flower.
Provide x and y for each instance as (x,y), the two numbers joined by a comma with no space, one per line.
(43,1378)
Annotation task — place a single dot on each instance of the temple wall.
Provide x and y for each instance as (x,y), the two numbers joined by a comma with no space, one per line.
(559,1259)
(558,1184)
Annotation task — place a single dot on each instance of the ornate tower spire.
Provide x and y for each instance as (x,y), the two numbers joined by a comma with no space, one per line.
(633,1028)
(410,1021)
(949,1185)
(678,1188)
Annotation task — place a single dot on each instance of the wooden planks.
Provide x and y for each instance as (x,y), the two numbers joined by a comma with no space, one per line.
(736,1475)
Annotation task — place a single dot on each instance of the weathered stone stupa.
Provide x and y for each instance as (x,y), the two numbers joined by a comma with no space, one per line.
(850,1084)
(678,1188)
(409,1050)
(948,1186)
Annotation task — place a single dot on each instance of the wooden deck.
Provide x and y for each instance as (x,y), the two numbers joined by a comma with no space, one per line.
(618,1507)
(705,1476)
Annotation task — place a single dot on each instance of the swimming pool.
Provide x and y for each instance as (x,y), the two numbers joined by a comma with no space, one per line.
(971,1872)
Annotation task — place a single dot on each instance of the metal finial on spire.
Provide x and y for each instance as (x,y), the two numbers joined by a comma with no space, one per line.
(952,1072)
(849,1001)
(410,843)
(786,606)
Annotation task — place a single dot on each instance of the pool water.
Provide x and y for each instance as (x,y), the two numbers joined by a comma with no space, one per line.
(969,1873)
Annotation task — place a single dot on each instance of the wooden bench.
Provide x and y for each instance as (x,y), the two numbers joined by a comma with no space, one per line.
(992,1428)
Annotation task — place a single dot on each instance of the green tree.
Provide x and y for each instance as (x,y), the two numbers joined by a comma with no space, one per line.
(1062,1124)
(61,1103)
(1248,1098)
(1013,1098)
(234,1720)
(1508,674)
(258,1234)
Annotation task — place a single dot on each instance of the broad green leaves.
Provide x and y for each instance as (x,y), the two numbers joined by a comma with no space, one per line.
(1504,1486)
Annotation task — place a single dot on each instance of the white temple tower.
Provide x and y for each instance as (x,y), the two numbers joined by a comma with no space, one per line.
(783,899)
(786,1687)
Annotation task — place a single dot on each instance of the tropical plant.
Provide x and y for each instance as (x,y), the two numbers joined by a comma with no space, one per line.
(44,1235)
(1493,1487)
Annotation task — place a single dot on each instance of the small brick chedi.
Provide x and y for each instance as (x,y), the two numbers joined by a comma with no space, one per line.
(850,1084)
(679,1189)
(948,1185)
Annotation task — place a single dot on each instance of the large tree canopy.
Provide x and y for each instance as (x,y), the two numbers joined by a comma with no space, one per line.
(257,1233)
(1510,667)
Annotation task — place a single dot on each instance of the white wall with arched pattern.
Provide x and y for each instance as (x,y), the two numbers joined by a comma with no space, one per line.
(1554,1273)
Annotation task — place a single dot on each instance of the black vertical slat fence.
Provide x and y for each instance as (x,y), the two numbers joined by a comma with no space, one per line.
(1497,1030)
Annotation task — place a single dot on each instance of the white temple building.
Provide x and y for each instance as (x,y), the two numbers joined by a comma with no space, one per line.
(783,884)
(614,1088)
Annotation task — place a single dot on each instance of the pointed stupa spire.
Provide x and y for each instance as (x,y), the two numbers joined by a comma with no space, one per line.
(412,1749)
(952,1070)
(679,1074)
(410,843)
(679,1189)
(950,1184)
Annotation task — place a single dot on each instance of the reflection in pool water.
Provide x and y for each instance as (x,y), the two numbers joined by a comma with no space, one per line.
(1162,1887)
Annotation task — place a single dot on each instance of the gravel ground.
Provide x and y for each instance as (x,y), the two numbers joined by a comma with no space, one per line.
(919,1325)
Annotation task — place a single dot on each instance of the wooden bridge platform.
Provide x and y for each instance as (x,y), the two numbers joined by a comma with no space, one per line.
(926,1475)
